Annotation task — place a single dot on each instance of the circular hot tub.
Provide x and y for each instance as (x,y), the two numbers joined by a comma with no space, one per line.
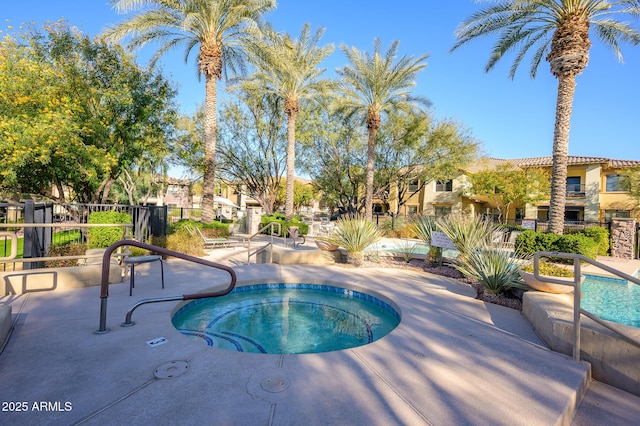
(287,318)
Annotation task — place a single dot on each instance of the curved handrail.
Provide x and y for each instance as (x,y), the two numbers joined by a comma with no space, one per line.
(104,283)
(271,226)
(577,310)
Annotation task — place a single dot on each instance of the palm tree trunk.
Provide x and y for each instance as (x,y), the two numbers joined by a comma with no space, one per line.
(564,107)
(368,198)
(291,155)
(208,181)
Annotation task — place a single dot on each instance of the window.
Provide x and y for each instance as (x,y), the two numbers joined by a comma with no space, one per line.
(612,214)
(173,190)
(573,186)
(441,211)
(520,213)
(543,214)
(615,183)
(444,185)
(411,210)
(574,214)
(414,185)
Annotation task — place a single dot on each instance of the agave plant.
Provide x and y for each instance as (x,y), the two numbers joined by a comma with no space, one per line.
(423,226)
(407,248)
(354,235)
(467,233)
(492,267)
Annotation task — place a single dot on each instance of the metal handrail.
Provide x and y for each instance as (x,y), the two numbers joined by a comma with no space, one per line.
(577,310)
(269,226)
(104,283)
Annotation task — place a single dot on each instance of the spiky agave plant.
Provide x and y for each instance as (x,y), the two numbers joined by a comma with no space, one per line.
(467,233)
(354,234)
(492,267)
(423,226)
(407,249)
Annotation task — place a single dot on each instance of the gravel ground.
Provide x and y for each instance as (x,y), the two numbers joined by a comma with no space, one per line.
(509,300)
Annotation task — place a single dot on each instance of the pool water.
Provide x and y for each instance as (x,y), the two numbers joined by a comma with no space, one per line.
(402,247)
(287,319)
(612,299)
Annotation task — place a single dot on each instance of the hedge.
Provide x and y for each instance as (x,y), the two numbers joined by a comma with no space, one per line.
(529,242)
(280,218)
(103,237)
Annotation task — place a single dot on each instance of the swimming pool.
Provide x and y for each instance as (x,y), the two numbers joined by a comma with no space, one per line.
(287,318)
(612,299)
(403,246)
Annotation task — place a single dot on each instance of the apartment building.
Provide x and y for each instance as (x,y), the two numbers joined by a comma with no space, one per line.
(594,192)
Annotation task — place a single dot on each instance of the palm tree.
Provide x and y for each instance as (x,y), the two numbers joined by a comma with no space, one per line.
(288,69)
(373,84)
(557,30)
(216,26)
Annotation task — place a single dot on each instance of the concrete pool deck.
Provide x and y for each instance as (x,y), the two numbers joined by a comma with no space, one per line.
(452,360)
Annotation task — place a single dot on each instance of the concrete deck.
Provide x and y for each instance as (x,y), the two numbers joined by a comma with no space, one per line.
(452,360)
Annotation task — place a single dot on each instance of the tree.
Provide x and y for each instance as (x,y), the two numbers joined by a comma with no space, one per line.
(557,30)
(288,68)
(76,112)
(303,194)
(251,145)
(216,26)
(334,158)
(373,84)
(508,184)
(414,149)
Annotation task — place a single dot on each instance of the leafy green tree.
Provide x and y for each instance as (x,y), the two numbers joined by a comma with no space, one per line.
(251,146)
(303,194)
(76,113)
(413,149)
(216,26)
(288,68)
(373,84)
(333,155)
(507,185)
(558,31)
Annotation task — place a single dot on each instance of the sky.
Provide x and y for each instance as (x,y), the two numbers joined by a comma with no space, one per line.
(510,118)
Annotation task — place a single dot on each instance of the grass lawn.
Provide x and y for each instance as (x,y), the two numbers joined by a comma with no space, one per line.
(62,237)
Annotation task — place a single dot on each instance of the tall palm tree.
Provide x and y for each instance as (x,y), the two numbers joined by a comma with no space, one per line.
(216,26)
(288,69)
(557,30)
(373,84)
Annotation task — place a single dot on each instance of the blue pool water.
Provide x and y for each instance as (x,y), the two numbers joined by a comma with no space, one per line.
(401,247)
(612,299)
(287,319)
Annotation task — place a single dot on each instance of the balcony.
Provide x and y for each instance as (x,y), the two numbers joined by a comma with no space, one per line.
(575,190)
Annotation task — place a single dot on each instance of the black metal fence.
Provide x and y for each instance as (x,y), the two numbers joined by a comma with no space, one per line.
(147,221)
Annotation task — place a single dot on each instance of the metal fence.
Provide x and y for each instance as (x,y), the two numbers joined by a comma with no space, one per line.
(147,221)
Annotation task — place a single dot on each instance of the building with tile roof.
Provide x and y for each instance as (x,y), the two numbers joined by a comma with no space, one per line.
(595,192)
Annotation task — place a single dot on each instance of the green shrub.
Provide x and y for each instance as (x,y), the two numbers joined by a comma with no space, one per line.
(529,242)
(550,269)
(279,218)
(103,237)
(578,244)
(525,243)
(214,229)
(601,237)
(184,242)
(66,249)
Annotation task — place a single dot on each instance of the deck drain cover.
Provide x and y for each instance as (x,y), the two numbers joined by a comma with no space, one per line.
(274,384)
(171,369)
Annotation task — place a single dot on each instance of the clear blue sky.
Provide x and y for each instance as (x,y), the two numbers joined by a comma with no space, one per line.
(511,118)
